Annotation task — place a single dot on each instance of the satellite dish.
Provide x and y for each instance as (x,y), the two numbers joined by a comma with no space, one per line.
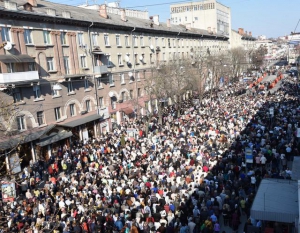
(110,94)
(130,74)
(151,47)
(126,58)
(141,58)
(8,46)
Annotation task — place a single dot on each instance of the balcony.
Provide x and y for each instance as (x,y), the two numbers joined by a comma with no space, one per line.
(100,69)
(6,78)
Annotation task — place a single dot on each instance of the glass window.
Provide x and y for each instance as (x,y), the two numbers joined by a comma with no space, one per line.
(101,104)
(72,110)
(127,41)
(66,64)
(27,36)
(17,95)
(111,80)
(10,67)
(163,42)
(63,38)
(46,37)
(21,122)
(40,117)
(120,62)
(37,92)
(95,39)
(83,61)
(70,87)
(88,105)
(118,41)
(5,33)
(151,58)
(106,40)
(139,92)
(122,78)
(86,84)
(57,113)
(135,41)
(80,39)
(50,64)
(31,66)
(142,41)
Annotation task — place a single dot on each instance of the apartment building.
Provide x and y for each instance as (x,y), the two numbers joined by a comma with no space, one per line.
(242,39)
(207,14)
(74,73)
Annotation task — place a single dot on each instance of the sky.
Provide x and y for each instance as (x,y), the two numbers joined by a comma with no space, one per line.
(272,18)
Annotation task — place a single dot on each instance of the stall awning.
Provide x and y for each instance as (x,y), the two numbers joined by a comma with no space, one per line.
(81,121)
(16,58)
(54,138)
(127,111)
(276,200)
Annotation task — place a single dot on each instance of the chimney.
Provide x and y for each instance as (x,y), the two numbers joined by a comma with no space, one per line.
(214,31)
(188,26)
(123,15)
(32,3)
(241,31)
(168,23)
(27,6)
(209,29)
(10,5)
(156,19)
(102,11)
(250,33)
(51,12)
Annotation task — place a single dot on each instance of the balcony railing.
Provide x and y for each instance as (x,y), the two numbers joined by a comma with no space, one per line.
(100,69)
(18,77)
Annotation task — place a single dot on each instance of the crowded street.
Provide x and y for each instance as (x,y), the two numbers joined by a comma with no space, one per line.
(188,175)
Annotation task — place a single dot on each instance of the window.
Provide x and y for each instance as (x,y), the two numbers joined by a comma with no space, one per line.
(66,65)
(111,80)
(123,95)
(70,87)
(163,56)
(95,39)
(156,41)
(106,40)
(72,110)
(40,118)
(139,92)
(113,103)
(5,34)
(109,64)
(163,42)
(55,93)
(170,56)
(80,39)
(21,122)
(101,104)
(142,41)
(131,94)
(135,43)
(99,83)
(127,41)
(136,60)
(83,61)
(151,58)
(46,37)
(120,62)
(17,95)
(57,113)
(50,64)
(63,38)
(118,41)
(31,66)
(196,18)
(182,43)
(86,84)
(10,67)
(185,18)
(37,92)
(122,78)
(169,42)
(27,36)
(150,41)
(88,105)
(174,43)
(138,78)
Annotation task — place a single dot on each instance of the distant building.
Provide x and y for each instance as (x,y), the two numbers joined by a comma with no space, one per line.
(242,39)
(115,8)
(208,15)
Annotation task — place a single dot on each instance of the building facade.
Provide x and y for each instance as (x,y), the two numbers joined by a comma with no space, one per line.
(74,73)
(208,15)
(242,39)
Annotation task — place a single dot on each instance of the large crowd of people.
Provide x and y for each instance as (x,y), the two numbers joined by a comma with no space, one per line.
(186,175)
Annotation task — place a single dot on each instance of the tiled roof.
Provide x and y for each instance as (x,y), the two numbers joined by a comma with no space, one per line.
(89,16)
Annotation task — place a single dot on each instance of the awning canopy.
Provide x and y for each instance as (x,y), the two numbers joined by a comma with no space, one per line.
(295,168)
(54,138)
(81,121)
(276,200)
(127,111)
(16,58)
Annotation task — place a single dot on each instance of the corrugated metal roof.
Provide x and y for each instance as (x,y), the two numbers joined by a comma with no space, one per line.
(81,121)
(54,138)
(276,200)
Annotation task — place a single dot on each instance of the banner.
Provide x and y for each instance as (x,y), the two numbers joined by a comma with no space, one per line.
(248,155)
(8,191)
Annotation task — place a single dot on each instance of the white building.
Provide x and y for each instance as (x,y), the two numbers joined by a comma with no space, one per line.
(242,39)
(114,8)
(208,15)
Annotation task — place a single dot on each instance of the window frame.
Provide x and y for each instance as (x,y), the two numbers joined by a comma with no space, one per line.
(57,113)
(70,87)
(21,122)
(46,37)
(40,119)
(28,36)
(72,110)
(66,64)
(37,92)
(106,40)
(50,60)
(118,40)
